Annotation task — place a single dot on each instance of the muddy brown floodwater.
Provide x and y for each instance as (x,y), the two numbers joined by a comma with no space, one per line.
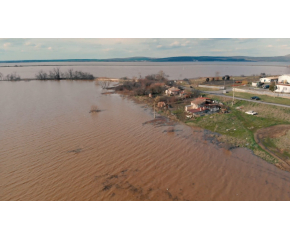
(52,148)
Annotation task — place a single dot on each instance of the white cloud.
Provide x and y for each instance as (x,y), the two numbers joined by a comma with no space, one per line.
(6,45)
(269,46)
(159,46)
(185,43)
(49,48)
(174,44)
(108,49)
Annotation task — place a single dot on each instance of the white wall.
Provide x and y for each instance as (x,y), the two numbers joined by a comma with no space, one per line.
(282,78)
(264,80)
(283,89)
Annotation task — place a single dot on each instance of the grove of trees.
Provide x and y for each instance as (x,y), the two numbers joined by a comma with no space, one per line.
(56,74)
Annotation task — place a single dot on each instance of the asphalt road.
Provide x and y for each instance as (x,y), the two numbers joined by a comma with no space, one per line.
(220,93)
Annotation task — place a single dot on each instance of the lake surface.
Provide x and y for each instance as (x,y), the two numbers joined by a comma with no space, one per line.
(179,70)
(52,148)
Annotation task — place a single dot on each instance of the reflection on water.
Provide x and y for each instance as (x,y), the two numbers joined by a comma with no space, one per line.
(52,148)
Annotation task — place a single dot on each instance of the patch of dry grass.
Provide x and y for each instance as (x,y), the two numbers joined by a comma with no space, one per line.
(268,111)
(283,142)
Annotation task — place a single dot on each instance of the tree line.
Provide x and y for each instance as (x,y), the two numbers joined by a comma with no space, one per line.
(56,74)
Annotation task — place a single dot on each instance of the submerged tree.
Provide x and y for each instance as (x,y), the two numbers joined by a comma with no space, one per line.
(41,75)
(55,74)
(12,77)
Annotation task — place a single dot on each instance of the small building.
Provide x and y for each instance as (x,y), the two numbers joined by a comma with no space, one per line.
(284,79)
(172,91)
(268,79)
(282,88)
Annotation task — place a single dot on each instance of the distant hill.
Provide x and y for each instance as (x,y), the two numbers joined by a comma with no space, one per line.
(285,58)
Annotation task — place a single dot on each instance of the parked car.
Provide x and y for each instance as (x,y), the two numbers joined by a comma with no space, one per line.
(266,86)
(190,86)
(255,98)
(250,112)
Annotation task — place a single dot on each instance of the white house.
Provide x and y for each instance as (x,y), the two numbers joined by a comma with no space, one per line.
(284,79)
(282,88)
(268,79)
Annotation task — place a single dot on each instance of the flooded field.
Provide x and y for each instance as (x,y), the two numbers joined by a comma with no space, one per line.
(53,148)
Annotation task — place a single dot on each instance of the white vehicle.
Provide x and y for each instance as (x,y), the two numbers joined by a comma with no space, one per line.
(251,112)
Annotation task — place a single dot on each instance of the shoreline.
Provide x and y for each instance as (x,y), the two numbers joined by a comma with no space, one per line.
(222,140)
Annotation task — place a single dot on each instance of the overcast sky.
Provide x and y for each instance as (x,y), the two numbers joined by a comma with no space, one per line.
(66,48)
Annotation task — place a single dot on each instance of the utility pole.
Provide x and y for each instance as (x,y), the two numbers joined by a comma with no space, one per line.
(154,110)
(233,92)
(224,83)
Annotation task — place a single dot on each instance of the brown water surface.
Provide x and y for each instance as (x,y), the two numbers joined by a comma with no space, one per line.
(52,148)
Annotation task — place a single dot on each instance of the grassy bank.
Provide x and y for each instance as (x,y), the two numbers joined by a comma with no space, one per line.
(264,98)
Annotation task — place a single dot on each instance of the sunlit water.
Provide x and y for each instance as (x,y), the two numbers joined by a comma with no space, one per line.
(52,148)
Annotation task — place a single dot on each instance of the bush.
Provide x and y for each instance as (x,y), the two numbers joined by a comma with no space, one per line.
(272,87)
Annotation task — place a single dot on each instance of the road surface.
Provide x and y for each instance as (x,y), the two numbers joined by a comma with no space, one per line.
(220,93)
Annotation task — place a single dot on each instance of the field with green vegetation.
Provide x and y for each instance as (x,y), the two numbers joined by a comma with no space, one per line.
(264,98)
(238,128)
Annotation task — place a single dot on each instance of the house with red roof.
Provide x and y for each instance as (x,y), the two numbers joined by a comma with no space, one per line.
(201,105)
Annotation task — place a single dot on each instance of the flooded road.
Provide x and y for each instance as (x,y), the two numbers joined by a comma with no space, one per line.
(52,148)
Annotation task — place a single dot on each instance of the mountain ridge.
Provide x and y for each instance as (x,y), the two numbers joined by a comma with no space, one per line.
(285,58)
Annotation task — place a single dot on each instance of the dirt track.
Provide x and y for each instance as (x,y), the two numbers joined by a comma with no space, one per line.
(273,132)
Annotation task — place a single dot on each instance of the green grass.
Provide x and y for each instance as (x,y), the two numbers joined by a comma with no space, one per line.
(264,98)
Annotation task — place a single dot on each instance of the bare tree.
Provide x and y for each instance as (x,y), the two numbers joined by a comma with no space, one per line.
(105,84)
(1,76)
(55,74)
(70,73)
(41,75)
(12,77)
